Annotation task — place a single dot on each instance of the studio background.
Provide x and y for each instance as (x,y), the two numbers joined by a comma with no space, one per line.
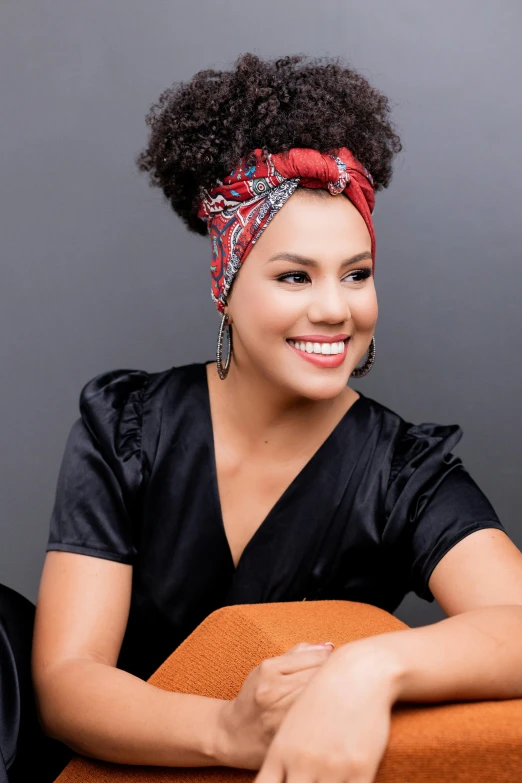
(98,273)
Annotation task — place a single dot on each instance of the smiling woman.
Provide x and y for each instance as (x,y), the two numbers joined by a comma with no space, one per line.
(267,478)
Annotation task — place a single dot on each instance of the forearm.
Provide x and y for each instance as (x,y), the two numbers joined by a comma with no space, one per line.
(475,655)
(108,714)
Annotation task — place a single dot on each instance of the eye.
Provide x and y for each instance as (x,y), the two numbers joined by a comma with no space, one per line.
(363,274)
(358,276)
(285,277)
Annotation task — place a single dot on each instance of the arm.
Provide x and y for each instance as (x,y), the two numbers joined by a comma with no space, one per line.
(474,654)
(87,703)
(339,727)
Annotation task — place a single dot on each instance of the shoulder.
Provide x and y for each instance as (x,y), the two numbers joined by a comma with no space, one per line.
(111,389)
(114,404)
(408,436)
(418,462)
(410,444)
(426,441)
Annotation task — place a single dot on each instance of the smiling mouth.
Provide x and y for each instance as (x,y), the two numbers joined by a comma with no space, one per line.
(321,348)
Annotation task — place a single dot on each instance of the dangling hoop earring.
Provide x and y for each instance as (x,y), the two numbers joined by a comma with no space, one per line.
(223,369)
(366,367)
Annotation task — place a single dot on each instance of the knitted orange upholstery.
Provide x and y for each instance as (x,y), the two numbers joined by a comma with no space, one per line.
(461,742)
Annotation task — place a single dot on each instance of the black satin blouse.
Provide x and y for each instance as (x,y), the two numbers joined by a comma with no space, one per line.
(367,519)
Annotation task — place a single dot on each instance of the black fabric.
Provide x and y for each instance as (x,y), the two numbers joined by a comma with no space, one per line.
(367,519)
(25,752)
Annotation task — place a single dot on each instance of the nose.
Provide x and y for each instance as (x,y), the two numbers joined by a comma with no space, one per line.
(329,302)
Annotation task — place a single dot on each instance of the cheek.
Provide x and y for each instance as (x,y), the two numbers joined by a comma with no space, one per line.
(267,309)
(364,308)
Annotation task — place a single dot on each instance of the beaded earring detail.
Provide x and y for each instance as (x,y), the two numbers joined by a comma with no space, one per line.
(223,368)
(367,366)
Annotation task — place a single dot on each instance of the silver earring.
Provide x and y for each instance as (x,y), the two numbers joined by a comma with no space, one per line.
(366,367)
(223,369)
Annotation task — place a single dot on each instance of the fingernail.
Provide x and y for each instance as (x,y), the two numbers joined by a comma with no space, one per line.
(332,645)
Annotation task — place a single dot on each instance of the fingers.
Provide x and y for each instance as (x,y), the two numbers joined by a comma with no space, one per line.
(296,680)
(300,659)
(306,646)
(272,771)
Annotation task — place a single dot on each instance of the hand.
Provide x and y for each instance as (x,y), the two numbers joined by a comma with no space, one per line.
(337,730)
(249,722)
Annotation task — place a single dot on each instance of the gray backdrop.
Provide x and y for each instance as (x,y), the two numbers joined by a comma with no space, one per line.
(98,273)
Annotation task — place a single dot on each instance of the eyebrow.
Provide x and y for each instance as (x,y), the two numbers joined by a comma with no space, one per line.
(304,261)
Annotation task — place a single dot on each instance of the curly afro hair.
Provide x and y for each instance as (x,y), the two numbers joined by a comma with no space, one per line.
(199,130)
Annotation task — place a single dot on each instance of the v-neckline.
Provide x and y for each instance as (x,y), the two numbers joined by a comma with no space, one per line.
(214,480)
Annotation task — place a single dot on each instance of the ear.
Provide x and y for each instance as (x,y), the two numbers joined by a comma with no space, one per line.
(227,312)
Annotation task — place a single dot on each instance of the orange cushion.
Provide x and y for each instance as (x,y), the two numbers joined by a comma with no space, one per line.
(461,742)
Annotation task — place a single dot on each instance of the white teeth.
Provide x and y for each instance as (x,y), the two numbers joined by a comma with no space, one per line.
(322,348)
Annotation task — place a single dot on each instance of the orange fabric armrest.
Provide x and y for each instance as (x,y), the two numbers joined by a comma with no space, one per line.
(465,742)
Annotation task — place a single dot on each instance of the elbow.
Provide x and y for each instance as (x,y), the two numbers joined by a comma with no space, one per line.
(53,723)
(50,690)
(48,712)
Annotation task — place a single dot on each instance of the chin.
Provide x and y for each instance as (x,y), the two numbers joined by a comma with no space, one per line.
(320,387)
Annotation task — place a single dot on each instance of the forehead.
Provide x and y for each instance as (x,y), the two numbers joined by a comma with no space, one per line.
(308,221)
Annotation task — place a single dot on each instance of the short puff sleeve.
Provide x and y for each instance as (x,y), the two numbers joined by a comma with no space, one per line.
(432,502)
(95,508)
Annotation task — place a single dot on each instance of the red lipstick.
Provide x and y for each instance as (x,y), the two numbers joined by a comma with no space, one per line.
(321,359)
(319,338)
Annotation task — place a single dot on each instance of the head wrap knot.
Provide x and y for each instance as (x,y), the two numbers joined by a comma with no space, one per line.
(238,209)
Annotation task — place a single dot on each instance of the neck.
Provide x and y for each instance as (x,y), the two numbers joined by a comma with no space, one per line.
(253,411)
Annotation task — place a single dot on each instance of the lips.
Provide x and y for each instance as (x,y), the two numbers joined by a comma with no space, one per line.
(318,338)
(320,359)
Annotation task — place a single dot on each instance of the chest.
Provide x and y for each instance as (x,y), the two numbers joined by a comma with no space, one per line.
(248,491)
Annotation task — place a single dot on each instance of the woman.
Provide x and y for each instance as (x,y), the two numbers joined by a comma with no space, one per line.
(265,476)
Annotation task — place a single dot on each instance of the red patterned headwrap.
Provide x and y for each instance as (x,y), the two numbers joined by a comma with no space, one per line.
(238,209)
